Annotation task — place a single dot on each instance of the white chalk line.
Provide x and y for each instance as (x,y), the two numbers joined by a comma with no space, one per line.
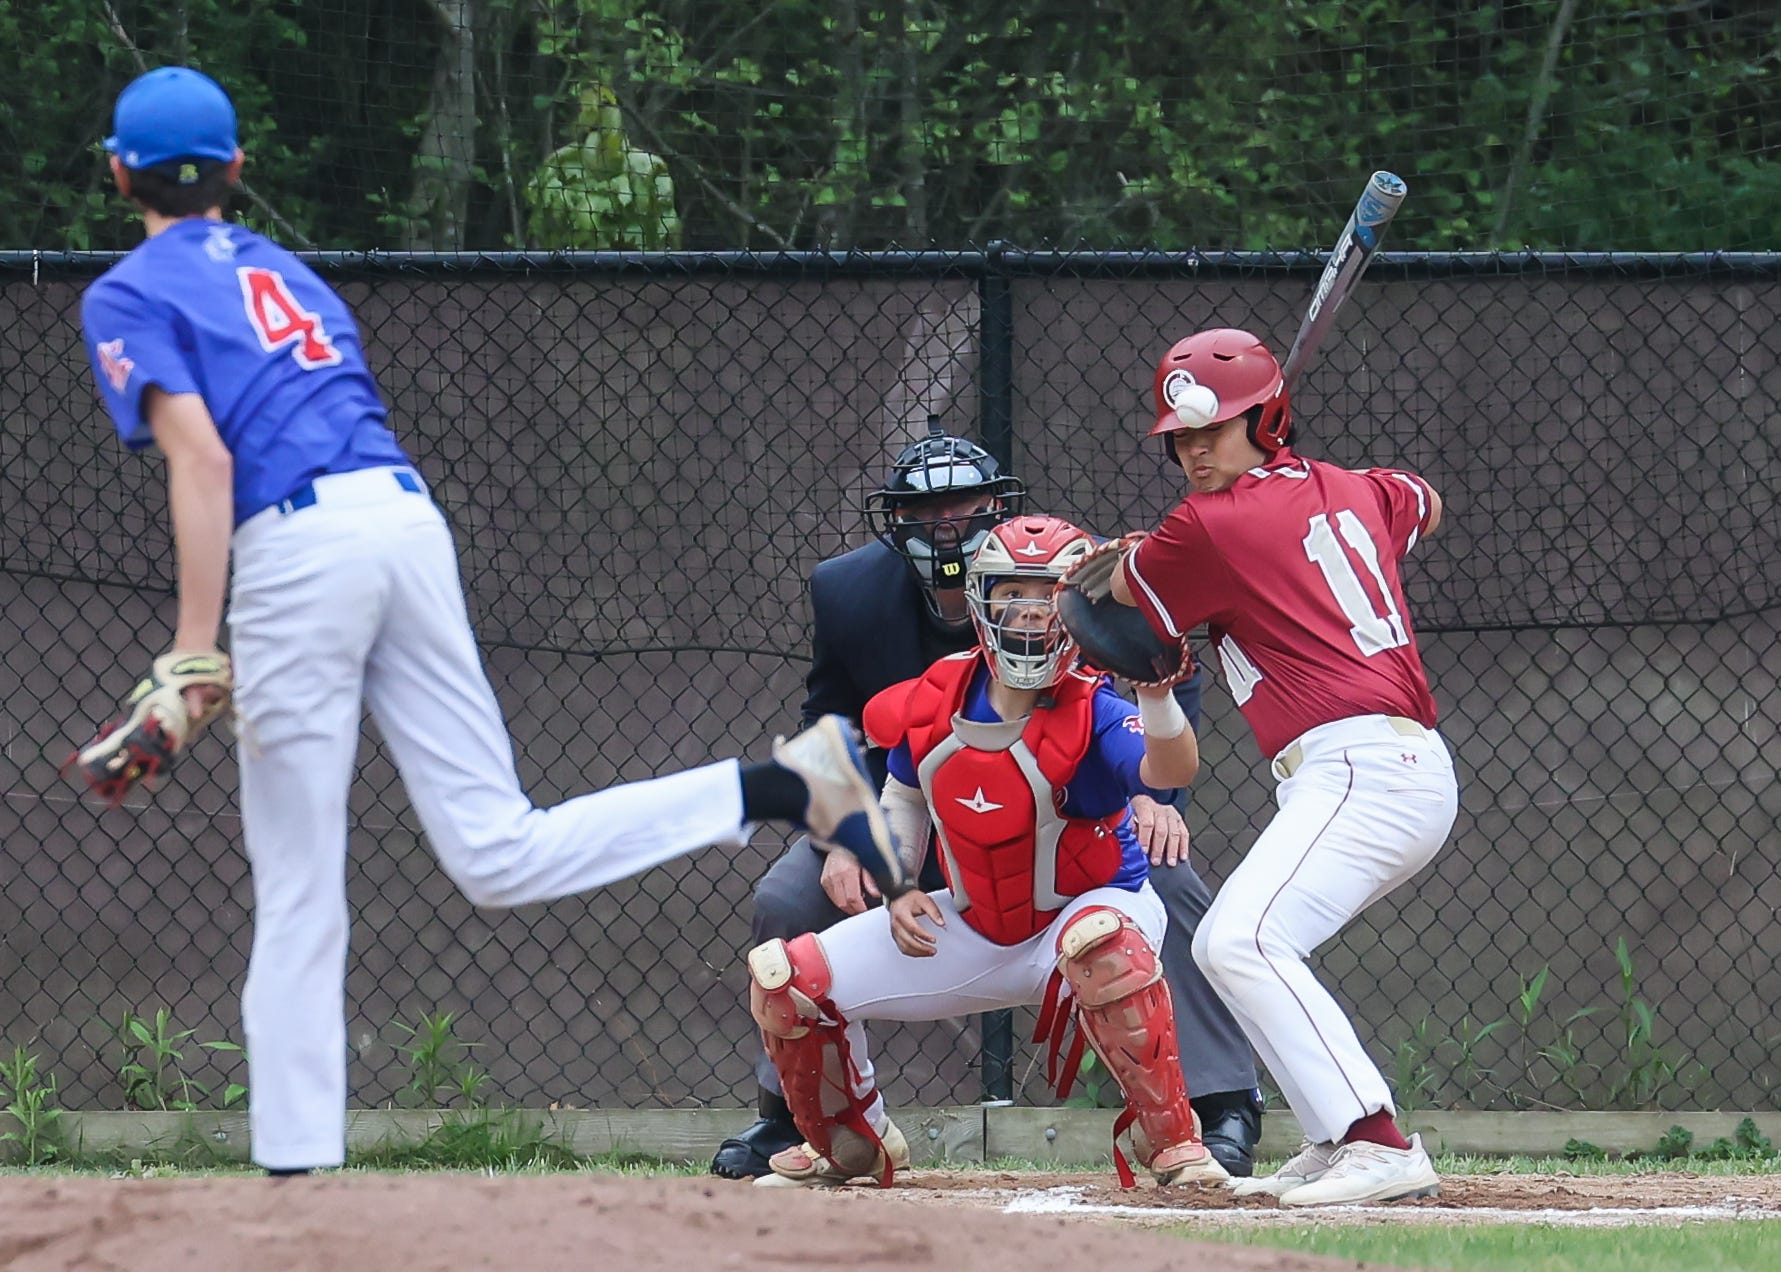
(1068,1201)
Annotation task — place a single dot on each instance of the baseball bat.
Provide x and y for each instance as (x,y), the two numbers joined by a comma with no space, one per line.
(1379,202)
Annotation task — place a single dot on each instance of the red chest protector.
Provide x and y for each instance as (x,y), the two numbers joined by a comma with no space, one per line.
(1011,858)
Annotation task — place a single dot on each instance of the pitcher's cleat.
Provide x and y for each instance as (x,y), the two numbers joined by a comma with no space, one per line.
(843,808)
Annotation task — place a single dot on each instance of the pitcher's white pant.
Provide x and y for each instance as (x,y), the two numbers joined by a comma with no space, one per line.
(1366,808)
(874,980)
(357,599)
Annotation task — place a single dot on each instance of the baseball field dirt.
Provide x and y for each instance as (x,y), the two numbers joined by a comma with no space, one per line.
(948,1221)
(446,1223)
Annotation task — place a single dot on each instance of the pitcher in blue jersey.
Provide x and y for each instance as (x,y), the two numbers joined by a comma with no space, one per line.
(246,370)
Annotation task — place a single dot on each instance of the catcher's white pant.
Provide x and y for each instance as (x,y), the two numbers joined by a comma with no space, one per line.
(1367,804)
(353,600)
(874,980)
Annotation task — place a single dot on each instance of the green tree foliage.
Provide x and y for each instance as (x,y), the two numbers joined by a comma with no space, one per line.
(62,63)
(1222,123)
(600,191)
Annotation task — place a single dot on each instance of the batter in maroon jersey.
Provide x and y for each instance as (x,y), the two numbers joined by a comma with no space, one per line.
(1292,565)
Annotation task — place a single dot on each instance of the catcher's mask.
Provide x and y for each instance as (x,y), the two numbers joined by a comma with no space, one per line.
(938,468)
(1023,641)
(1218,375)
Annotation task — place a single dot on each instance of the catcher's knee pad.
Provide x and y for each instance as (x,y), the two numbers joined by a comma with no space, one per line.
(788,983)
(1123,1006)
(806,1038)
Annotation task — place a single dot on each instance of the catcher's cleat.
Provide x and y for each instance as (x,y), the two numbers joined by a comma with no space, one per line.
(843,810)
(804,1167)
(1187,1163)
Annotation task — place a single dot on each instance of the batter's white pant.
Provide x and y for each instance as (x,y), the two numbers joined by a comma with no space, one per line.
(354,600)
(874,980)
(1366,808)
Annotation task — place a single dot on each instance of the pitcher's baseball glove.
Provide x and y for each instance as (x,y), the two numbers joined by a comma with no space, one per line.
(158,725)
(1115,637)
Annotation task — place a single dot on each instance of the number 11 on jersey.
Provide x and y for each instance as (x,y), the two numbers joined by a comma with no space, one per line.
(1373,631)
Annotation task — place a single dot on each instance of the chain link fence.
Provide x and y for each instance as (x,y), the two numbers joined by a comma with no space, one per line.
(644,456)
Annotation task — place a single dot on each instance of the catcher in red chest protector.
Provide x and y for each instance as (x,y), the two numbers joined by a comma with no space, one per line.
(1021,768)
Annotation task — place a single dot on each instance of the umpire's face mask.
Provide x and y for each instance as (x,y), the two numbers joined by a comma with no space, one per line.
(938,536)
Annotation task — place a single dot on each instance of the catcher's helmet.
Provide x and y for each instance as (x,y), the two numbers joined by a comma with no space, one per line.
(941,465)
(1214,376)
(1025,644)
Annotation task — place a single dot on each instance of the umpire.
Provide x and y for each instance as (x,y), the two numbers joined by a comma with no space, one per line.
(882,614)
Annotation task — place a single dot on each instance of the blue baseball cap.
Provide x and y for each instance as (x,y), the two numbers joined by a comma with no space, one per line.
(172,113)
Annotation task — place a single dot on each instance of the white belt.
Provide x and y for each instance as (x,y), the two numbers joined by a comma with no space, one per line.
(1288,761)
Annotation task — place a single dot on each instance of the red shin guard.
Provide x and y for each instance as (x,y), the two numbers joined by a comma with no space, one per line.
(1123,1006)
(806,1039)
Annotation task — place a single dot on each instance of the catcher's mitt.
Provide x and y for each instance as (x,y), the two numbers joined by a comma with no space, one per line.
(1115,637)
(158,727)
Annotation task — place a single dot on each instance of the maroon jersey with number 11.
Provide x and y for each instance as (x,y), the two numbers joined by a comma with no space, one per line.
(1294,570)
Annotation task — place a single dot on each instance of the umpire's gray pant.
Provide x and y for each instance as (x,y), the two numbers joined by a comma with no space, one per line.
(1215,1056)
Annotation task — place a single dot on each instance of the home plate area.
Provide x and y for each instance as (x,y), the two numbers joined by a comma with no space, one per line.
(1559,1200)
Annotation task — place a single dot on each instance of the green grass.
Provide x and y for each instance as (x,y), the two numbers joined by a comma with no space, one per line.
(1724,1246)
(1455,1164)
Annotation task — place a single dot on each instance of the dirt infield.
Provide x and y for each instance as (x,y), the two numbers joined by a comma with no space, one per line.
(948,1221)
(447,1223)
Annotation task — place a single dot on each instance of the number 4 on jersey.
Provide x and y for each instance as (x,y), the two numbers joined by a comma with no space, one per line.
(279,319)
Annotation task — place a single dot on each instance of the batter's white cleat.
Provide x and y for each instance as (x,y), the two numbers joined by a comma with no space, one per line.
(1307,1165)
(804,1167)
(1369,1172)
(843,808)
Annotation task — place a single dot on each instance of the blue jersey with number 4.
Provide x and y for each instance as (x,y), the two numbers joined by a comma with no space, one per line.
(211,308)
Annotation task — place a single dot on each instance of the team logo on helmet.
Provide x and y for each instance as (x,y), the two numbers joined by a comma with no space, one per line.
(1176,384)
(1218,375)
(1195,404)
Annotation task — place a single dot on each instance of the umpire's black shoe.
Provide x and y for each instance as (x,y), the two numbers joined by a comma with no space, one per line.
(745,1156)
(1230,1127)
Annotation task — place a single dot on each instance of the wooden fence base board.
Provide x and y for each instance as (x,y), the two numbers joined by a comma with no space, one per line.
(955,1135)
